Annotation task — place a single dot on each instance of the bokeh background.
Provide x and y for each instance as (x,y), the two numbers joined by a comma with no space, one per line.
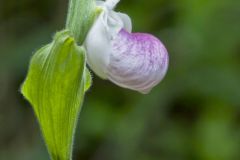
(194,114)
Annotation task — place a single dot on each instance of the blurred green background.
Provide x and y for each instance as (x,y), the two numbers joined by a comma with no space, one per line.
(194,114)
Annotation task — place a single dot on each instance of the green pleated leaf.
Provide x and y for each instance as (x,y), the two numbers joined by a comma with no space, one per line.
(88,80)
(55,86)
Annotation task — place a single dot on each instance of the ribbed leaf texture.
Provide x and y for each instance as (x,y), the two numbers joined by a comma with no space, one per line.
(55,87)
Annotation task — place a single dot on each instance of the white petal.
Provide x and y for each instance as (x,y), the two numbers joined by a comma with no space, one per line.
(126,21)
(111,4)
(98,40)
(108,4)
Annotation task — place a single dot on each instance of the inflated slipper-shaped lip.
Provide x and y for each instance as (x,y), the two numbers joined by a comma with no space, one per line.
(137,61)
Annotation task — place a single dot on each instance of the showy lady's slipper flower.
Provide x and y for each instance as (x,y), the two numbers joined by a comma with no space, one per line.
(137,61)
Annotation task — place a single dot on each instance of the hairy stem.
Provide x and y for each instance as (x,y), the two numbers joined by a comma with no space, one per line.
(81,15)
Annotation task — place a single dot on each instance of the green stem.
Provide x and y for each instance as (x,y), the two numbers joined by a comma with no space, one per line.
(81,15)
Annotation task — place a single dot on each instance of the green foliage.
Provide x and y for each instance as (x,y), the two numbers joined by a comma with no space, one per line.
(58,79)
(55,87)
(192,115)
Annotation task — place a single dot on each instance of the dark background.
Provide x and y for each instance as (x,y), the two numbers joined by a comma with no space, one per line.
(194,114)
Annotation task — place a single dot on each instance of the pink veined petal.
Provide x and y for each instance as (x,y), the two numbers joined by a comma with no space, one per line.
(138,61)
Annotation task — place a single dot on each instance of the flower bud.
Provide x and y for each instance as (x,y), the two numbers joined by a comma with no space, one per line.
(136,61)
